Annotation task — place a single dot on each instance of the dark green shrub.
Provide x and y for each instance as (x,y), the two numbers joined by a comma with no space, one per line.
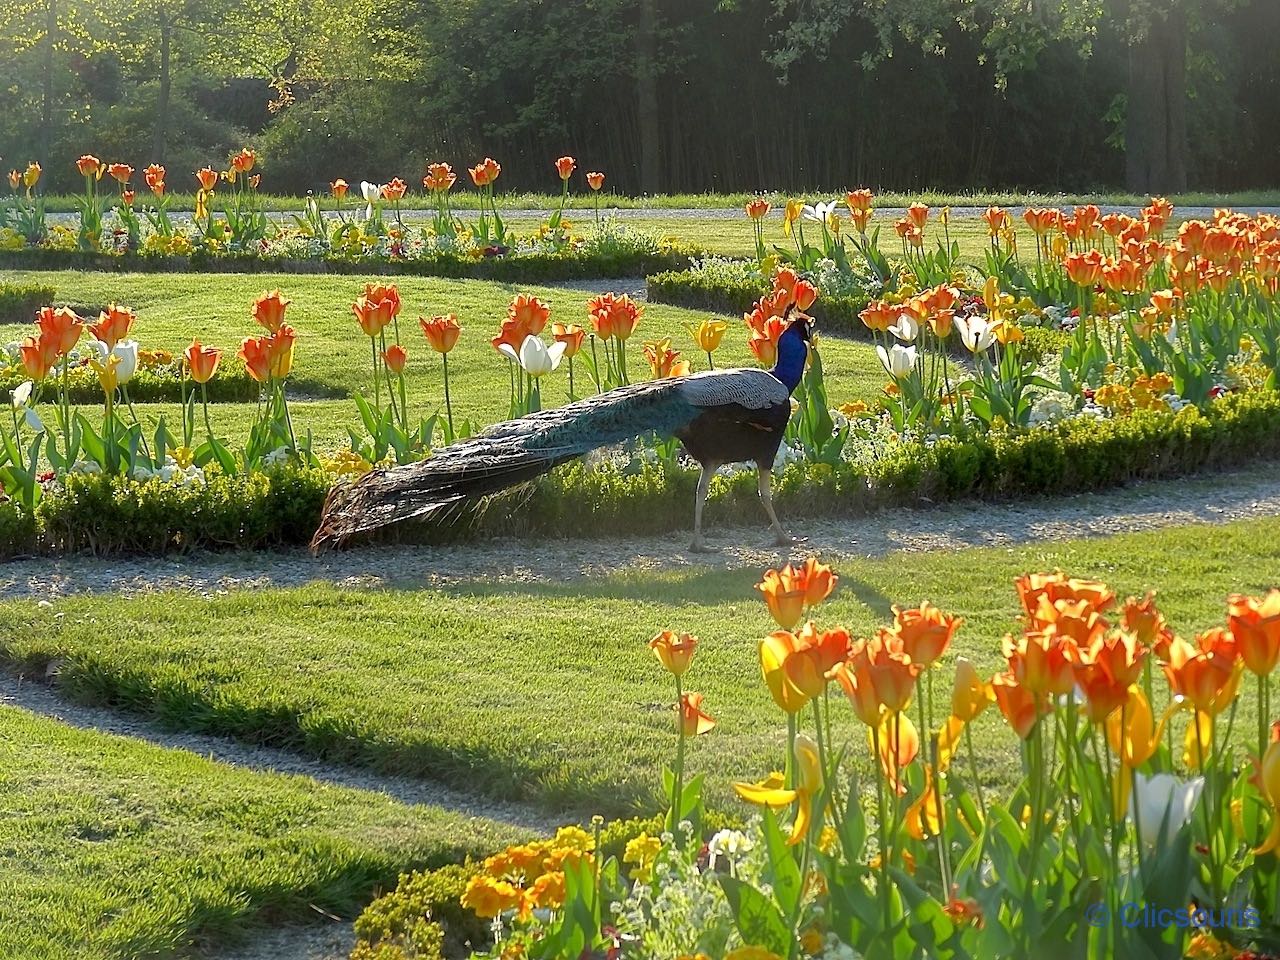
(525,268)
(421,918)
(107,515)
(17,529)
(163,385)
(19,302)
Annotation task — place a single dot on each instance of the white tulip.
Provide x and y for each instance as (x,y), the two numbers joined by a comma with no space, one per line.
(21,394)
(34,421)
(819,212)
(899,361)
(906,329)
(370,192)
(975,333)
(1162,804)
(535,357)
(127,352)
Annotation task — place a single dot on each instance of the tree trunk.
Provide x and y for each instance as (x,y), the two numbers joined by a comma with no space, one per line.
(46,106)
(1156,120)
(647,99)
(161,136)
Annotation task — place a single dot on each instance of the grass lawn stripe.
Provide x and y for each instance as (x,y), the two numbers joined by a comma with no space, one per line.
(545,691)
(113,848)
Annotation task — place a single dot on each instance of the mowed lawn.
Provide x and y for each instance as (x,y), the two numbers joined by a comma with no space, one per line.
(547,692)
(115,848)
(331,349)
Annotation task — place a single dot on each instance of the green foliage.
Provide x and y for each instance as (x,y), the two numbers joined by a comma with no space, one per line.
(419,917)
(102,514)
(19,302)
(603,260)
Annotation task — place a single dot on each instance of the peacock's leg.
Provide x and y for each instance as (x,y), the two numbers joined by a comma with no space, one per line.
(704,483)
(780,536)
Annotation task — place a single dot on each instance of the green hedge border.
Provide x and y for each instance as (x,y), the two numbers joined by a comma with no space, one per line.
(19,302)
(108,515)
(525,268)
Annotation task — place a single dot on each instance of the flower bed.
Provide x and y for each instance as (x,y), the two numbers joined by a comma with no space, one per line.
(1131,832)
(229,230)
(635,494)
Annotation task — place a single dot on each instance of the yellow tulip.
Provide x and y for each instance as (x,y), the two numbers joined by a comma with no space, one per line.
(773,794)
(709,334)
(106,371)
(674,651)
(790,215)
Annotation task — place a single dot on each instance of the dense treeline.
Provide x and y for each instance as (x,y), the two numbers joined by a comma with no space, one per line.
(663,95)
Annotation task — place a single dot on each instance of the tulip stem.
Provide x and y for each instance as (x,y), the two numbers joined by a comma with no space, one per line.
(973,767)
(677,788)
(448,406)
(882,887)
(828,776)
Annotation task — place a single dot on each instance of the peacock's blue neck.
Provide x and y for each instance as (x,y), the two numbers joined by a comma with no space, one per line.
(792,354)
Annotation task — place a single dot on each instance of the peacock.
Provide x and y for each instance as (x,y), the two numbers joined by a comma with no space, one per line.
(719,416)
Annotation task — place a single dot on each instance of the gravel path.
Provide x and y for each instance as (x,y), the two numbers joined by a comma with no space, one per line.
(1212,499)
(42,699)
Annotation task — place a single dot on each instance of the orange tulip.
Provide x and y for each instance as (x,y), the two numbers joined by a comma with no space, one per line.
(571,335)
(1058,586)
(663,361)
(804,294)
(208,178)
(202,361)
(280,345)
(765,349)
(970,696)
(395,358)
(530,313)
(394,190)
(784,592)
(595,180)
(879,315)
(757,208)
(1105,670)
(1020,706)
(1041,221)
(1041,661)
(126,197)
(693,722)
(372,315)
(925,632)
(39,356)
(674,651)
(918,215)
(153,174)
(60,327)
(120,172)
(899,746)
(614,316)
(485,173)
(269,309)
(91,166)
(1255,625)
(15,180)
(858,201)
(1146,623)
(1084,269)
(1206,677)
(339,188)
(996,220)
(113,325)
(565,167)
(884,665)
(243,161)
(256,354)
(440,177)
(441,332)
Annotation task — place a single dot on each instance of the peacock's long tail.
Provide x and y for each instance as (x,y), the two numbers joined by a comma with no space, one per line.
(503,456)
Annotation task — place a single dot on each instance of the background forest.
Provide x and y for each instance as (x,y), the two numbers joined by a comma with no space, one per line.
(664,95)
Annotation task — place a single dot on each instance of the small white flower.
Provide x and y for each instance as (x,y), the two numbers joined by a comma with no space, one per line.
(975,333)
(21,394)
(535,357)
(899,361)
(142,473)
(906,329)
(277,456)
(86,467)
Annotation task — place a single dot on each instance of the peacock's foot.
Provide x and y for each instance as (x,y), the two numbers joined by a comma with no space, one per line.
(701,546)
(782,539)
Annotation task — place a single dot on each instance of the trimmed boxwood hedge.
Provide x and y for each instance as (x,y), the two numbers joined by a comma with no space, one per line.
(694,289)
(525,268)
(282,507)
(19,302)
